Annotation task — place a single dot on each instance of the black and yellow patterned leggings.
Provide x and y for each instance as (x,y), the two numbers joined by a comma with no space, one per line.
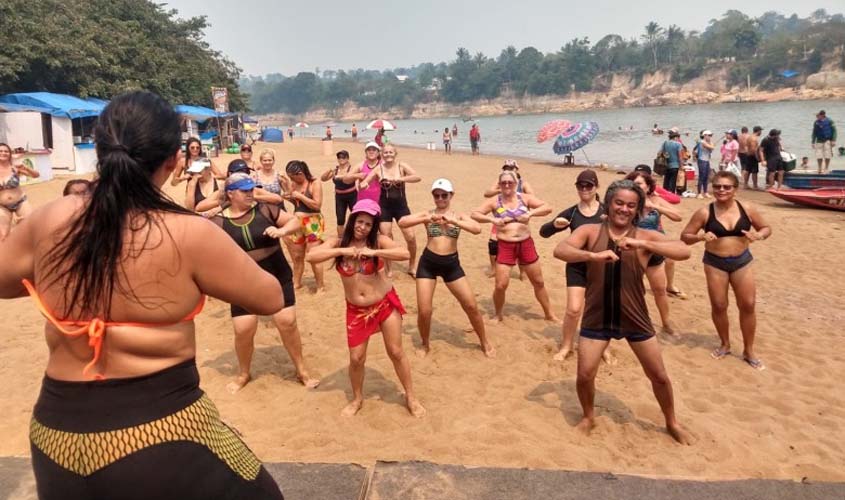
(156,436)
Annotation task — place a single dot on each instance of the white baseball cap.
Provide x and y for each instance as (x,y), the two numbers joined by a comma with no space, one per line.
(443,185)
(706,132)
(372,144)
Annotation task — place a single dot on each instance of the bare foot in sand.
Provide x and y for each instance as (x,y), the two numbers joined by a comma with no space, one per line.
(679,434)
(497,320)
(308,381)
(352,408)
(489,350)
(553,319)
(469,329)
(297,286)
(563,353)
(668,329)
(423,350)
(585,426)
(489,273)
(414,407)
(238,383)
(608,357)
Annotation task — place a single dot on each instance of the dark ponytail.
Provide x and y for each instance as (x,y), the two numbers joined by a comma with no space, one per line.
(135,134)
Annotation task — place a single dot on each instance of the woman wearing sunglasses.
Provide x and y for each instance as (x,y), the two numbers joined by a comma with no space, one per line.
(345,193)
(193,152)
(256,228)
(440,259)
(658,266)
(510,212)
(522,186)
(588,210)
(246,156)
(727,260)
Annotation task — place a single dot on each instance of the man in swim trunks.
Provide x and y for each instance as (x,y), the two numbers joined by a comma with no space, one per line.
(617,253)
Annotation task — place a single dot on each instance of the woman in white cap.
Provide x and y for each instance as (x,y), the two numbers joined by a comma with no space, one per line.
(511,213)
(392,175)
(440,258)
(256,227)
(201,183)
(372,304)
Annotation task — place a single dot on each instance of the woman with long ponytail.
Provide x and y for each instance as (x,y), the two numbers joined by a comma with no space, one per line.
(119,276)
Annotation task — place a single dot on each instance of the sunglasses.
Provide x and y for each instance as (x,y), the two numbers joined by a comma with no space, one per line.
(506,183)
(440,196)
(723,187)
(584,186)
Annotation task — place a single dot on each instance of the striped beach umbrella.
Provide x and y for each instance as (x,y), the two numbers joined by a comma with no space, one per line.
(575,137)
(380,123)
(552,129)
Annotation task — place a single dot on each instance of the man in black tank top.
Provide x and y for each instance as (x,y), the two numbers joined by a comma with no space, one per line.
(616,254)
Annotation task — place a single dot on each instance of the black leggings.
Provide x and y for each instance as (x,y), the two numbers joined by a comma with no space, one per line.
(155,436)
(343,203)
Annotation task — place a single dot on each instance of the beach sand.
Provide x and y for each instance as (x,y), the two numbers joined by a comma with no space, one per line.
(518,410)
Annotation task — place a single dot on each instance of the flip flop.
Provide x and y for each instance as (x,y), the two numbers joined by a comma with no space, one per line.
(755,363)
(719,353)
(677,294)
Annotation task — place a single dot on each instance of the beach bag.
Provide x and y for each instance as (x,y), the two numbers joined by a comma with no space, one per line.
(661,163)
(733,168)
(684,154)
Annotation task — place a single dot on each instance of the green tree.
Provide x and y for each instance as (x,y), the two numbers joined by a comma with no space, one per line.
(652,37)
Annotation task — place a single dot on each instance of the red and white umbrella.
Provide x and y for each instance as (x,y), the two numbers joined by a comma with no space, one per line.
(301,125)
(377,124)
(552,129)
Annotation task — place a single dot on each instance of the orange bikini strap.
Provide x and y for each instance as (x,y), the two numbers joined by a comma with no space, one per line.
(95,328)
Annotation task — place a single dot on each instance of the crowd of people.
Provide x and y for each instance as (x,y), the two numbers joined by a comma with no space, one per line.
(91,252)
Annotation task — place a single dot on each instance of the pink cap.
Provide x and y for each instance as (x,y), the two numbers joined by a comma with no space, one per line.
(367,206)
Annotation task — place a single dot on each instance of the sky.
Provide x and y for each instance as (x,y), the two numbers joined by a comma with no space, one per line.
(276,36)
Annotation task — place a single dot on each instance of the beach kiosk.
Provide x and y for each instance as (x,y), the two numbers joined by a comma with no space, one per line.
(54,131)
(206,124)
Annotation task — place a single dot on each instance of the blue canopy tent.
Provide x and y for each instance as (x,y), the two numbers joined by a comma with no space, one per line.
(788,73)
(272,134)
(65,127)
(66,106)
(200,113)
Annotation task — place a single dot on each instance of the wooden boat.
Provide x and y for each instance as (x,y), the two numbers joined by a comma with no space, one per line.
(812,180)
(827,197)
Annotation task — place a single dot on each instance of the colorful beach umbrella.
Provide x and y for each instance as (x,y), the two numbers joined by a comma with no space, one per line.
(377,124)
(575,137)
(301,125)
(552,129)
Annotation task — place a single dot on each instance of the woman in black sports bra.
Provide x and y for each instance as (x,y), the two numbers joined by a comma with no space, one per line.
(440,258)
(257,228)
(345,193)
(727,260)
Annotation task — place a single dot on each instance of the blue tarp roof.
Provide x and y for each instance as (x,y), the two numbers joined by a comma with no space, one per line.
(5,106)
(199,113)
(56,104)
(788,73)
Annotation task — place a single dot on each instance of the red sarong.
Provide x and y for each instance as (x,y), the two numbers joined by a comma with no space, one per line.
(363,321)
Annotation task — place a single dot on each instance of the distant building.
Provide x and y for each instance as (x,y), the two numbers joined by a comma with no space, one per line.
(402,78)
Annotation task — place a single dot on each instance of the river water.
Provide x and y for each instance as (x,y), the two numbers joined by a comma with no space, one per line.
(515,135)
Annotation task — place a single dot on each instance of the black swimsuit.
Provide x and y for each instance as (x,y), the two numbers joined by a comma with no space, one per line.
(728,264)
(248,232)
(198,196)
(576,272)
(343,201)
(393,202)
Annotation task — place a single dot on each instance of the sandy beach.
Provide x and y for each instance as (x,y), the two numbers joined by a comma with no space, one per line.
(518,410)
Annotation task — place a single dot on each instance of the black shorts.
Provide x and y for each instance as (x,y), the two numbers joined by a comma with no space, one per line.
(576,274)
(493,247)
(752,164)
(607,335)
(343,203)
(655,260)
(278,266)
(775,164)
(432,265)
(743,160)
(393,208)
(153,436)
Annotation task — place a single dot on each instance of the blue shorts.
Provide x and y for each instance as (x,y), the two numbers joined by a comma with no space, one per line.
(608,335)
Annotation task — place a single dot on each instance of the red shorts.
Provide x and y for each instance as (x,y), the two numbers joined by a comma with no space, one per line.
(511,252)
(363,321)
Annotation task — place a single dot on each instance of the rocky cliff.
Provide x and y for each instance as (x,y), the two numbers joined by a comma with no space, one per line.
(616,91)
